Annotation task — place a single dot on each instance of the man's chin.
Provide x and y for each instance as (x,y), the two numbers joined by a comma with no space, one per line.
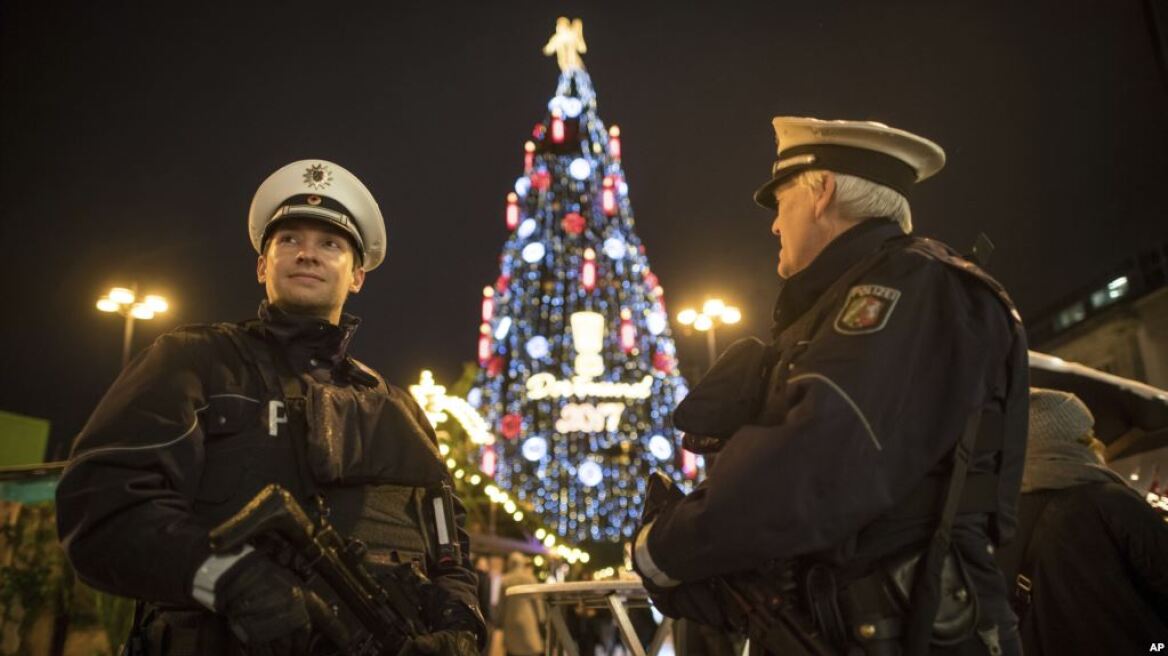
(303,307)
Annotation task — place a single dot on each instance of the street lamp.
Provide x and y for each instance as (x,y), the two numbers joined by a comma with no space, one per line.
(126,303)
(714,311)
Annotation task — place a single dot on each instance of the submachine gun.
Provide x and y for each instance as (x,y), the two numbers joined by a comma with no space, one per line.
(367,616)
(756,603)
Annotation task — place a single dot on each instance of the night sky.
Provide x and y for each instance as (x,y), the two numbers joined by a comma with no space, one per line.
(134,136)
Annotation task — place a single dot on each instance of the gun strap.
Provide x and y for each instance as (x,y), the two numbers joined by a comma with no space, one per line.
(279,383)
(925,597)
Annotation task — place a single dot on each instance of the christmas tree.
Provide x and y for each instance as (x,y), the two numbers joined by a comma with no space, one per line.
(578,372)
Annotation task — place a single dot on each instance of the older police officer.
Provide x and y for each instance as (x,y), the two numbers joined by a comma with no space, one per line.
(211,414)
(883,460)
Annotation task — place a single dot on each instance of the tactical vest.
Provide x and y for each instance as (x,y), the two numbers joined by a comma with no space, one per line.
(352,452)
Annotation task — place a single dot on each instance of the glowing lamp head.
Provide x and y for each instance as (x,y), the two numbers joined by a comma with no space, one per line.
(713,307)
(121,296)
(156,303)
(687,316)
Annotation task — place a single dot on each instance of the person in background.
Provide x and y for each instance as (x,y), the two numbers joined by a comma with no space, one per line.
(520,619)
(1090,565)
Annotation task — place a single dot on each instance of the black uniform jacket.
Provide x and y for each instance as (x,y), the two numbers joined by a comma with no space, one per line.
(189,432)
(868,404)
(1099,572)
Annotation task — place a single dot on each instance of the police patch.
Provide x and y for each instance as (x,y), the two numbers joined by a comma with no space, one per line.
(866,310)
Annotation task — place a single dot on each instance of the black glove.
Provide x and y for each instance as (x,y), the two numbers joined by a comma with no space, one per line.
(660,493)
(700,601)
(264,605)
(449,642)
(444,613)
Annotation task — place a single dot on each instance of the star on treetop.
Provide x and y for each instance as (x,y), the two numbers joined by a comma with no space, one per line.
(567,44)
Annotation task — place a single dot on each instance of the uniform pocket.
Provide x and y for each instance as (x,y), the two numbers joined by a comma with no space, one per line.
(228,445)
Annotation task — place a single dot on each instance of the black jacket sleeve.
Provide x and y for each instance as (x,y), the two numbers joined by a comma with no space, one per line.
(123,509)
(868,415)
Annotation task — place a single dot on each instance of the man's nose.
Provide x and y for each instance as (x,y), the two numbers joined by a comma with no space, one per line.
(775,225)
(307,252)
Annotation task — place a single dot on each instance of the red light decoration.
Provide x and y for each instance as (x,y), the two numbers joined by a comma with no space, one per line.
(614,142)
(510,425)
(689,464)
(541,180)
(495,366)
(573,223)
(651,280)
(488,304)
(588,270)
(662,362)
(528,156)
(489,461)
(557,128)
(608,196)
(501,283)
(484,344)
(539,131)
(628,333)
(512,211)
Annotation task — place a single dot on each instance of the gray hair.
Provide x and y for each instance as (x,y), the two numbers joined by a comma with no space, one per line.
(858,198)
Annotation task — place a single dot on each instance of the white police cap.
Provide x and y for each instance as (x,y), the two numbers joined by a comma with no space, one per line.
(866,149)
(323,191)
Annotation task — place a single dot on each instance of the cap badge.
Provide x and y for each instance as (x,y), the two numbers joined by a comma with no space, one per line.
(318,176)
(313,200)
(867,309)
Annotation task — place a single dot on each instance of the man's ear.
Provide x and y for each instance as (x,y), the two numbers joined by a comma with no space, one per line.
(826,194)
(261,270)
(358,280)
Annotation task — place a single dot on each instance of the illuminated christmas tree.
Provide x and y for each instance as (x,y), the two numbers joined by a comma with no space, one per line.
(578,370)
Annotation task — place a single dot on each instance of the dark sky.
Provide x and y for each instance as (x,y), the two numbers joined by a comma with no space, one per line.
(135,134)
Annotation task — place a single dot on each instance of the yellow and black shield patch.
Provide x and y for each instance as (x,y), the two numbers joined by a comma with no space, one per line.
(866,310)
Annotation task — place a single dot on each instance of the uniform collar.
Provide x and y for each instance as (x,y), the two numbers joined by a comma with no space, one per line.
(800,291)
(310,335)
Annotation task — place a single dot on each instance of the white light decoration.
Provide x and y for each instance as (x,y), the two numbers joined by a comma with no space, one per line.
(522,186)
(588,418)
(537,347)
(588,338)
(656,322)
(571,107)
(474,397)
(590,474)
(526,228)
(660,447)
(438,405)
(623,188)
(503,328)
(533,252)
(534,448)
(545,385)
(580,169)
(614,247)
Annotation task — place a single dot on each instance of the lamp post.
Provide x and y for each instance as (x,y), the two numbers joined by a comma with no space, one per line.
(714,312)
(126,303)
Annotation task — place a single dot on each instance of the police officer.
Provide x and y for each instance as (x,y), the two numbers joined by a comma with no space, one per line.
(209,415)
(879,468)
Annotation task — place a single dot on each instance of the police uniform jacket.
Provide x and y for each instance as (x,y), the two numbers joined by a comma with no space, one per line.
(887,344)
(199,423)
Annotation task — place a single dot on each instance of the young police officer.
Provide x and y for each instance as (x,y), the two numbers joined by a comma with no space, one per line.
(894,358)
(209,415)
